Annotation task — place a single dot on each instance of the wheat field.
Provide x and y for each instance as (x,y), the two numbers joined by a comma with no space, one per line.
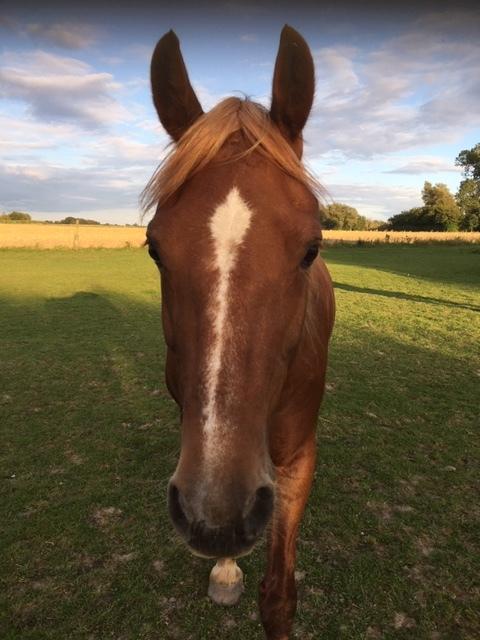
(72,236)
(49,236)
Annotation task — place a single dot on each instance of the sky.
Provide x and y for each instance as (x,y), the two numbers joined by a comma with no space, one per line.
(397,95)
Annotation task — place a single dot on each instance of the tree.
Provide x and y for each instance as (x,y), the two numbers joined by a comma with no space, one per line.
(468,199)
(72,220)
(468,194)
(341,216)
(16,216)
(440,212)
(441,207)
(469,159)
(415,219)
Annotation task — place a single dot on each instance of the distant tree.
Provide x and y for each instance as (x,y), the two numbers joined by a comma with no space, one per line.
(374,225)
(72,220)
(468,194)
(415,219)
(468,199)
(340,216)
(440,212)
(441,207)
(16,216)
(469,159)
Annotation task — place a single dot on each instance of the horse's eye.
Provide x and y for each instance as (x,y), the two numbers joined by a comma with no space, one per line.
(310,256)
(153,254)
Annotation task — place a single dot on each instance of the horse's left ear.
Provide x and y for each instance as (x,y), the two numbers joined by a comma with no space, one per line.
(293,85)
(174,98)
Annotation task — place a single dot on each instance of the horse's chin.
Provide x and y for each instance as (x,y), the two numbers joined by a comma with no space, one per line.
(211,556)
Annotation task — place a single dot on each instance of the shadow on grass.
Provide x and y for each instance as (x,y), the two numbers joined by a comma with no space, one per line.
(450,264)
(404,296)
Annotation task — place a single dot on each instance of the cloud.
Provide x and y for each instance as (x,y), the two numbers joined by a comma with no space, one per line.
(376,201)
(207,98)
(248,37)
(115,152)
(108,173)
(67,35)
(21,135)
(61,89)
(426,165)
(418,88)
(51,189)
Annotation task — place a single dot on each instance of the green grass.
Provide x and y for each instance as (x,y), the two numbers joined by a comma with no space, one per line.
(390,543)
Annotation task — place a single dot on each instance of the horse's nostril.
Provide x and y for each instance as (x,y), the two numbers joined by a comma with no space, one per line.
(259,515)
(175,508)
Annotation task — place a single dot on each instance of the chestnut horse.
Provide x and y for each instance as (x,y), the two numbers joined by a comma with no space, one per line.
(247,312)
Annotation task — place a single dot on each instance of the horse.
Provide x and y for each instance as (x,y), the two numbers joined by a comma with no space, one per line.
(247,313)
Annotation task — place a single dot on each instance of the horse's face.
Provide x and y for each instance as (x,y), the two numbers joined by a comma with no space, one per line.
(234,248)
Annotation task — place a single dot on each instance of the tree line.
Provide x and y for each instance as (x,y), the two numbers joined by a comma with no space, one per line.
(19,216)
(441,210)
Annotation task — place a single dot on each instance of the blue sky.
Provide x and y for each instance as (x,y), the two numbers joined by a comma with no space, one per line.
(398,89)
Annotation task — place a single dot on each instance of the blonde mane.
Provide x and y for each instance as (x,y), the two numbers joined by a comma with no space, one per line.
(205,138)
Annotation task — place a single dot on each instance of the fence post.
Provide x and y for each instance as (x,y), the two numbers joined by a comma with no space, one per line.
(76,237)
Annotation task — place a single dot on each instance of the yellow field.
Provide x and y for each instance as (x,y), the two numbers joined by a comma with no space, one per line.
(71,236)
(49,236)
(401,236)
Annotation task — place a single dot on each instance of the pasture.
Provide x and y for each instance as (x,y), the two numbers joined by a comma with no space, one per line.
(389,547)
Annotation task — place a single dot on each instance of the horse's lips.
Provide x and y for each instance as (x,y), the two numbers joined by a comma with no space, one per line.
(199,554)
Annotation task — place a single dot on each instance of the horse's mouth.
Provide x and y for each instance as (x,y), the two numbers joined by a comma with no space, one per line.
(235,538)
(199,554)
(219,542)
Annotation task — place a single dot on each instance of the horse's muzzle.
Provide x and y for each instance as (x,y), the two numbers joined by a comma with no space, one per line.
(233,539)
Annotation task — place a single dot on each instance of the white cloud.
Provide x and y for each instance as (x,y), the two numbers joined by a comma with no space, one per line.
(56,89)
(419,88)
(426,165)
(21,134)
(119,151)
(107,171)
(54,188)
(207,98)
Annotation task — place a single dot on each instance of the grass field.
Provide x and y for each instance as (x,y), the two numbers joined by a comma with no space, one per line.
(71,236)
(390,544)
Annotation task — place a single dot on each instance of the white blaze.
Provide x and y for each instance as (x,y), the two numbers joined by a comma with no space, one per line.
(228,226)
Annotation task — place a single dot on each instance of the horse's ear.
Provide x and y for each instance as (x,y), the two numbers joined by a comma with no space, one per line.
(174,99)
(293,84)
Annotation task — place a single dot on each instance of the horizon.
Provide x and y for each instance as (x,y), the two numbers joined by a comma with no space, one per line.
(396,98)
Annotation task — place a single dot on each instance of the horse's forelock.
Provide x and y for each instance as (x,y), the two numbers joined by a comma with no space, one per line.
(202,143)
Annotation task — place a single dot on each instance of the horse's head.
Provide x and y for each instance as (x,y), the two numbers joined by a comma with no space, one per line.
(234,235)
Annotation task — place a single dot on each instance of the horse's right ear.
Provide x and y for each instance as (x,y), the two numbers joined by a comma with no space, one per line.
(174,99)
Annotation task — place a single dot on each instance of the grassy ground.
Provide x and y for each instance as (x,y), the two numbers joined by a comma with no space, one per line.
(389,546)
